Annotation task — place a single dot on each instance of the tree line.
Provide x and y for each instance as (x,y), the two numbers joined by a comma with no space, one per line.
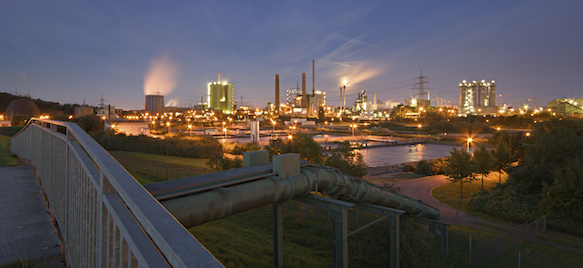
(545,174)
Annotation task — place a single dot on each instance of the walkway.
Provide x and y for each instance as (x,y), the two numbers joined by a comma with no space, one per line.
(420,189)
(26,232)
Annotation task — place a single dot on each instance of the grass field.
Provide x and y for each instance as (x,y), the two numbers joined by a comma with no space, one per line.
(149,168)
(449,194)
(6,158)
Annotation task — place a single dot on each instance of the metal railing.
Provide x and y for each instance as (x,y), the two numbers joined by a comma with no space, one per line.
(106,218)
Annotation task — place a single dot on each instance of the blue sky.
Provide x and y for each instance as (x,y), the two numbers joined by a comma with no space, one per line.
(70,51)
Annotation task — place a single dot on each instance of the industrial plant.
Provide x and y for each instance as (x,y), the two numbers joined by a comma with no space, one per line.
(477,97)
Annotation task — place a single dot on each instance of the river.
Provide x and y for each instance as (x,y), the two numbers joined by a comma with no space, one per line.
(382,156)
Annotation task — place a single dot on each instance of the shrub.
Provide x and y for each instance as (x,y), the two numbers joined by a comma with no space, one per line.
(424,168)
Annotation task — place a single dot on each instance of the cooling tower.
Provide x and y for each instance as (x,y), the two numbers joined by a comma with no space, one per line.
(154,103)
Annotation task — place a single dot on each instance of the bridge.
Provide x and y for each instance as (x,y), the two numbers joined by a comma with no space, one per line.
(105,218)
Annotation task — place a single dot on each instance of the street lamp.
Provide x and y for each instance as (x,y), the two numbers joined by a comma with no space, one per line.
(225,130)
(190,130)
(419,130)
(468,146)
(168,126)
(353,126)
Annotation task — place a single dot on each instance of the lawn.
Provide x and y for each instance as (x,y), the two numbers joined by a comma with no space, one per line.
(449,194)
(6,158)
(149,168)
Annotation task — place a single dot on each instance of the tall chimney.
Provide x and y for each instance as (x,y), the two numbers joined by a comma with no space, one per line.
(313,76)
(219,78)
(375,98)
(304,97)
(277,93)
(340,98)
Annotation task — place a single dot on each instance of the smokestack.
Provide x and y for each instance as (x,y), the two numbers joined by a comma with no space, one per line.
(277,93)
(375,98)
(219,78)
(304,97)
(340,98)
(313,76)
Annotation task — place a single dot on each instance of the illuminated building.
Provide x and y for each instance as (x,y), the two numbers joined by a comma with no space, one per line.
(315,101)
(566,106)
(220,96)
(477,97)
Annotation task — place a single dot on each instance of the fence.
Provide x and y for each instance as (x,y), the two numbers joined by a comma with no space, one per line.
(504,250)
(105,217)
(506,241)
(366,249)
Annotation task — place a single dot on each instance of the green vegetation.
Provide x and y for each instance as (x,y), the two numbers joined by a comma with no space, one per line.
(458,167)
(25,264)
(9,131)
(347,160)
(245,240)
(149,168)
(45,107)
(6,158)
(299,143)
(180,145)
(548,179)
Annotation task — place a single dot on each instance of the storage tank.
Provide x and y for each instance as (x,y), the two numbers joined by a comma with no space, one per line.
(154,103)
(22,107)
(83,110)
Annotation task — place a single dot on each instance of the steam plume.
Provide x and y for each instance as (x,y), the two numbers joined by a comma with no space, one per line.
(358,73)
(161,76)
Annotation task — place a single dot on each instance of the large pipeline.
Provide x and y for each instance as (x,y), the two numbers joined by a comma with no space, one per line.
(196,209)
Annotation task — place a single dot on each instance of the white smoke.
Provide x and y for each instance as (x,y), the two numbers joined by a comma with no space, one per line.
(356,73)
(172,103)
(161,76)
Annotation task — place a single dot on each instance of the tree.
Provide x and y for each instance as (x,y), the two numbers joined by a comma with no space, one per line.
(458,166)
(565,196)
(301,143)
(502,157)
(483,161)
(424,168)
(347,160)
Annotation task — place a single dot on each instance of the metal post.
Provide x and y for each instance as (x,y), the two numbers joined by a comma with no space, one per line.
(470,249)
(394,243)
(277,234)
(340,233)
(519,258)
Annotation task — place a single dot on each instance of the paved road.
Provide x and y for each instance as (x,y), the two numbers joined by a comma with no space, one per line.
(420,189)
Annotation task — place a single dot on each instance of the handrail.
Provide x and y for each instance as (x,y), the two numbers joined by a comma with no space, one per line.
(105,216)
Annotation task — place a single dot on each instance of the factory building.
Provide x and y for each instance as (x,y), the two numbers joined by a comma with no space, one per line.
(292,94)
(477,97)
(315,101)
(220,96)
(566,106)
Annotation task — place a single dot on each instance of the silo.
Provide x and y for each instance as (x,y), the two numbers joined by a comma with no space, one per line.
(83,110)
(154,103)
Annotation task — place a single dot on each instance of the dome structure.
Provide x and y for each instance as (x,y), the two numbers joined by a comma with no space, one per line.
(22,107)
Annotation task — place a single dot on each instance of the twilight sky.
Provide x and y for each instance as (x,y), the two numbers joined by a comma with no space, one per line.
(70,51)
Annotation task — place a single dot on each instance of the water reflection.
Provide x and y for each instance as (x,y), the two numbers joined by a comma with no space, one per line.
(402,154)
